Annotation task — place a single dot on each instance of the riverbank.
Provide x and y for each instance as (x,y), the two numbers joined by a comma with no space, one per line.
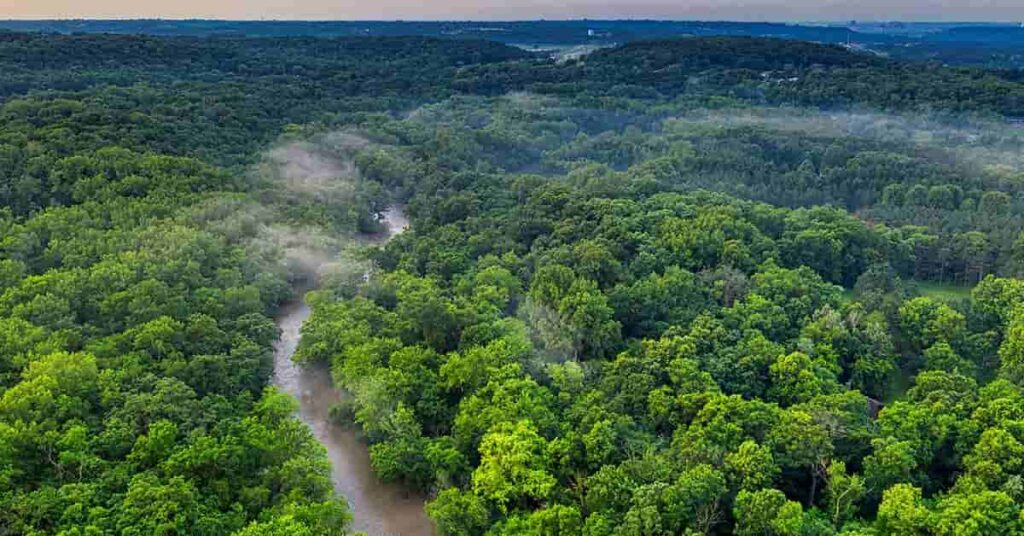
(378,508)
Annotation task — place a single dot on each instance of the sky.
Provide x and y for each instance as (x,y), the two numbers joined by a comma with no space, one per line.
(753,10)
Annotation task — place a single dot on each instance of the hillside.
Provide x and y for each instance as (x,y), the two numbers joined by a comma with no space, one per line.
(724,285)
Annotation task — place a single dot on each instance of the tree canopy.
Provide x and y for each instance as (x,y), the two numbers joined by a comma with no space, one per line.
(672,287)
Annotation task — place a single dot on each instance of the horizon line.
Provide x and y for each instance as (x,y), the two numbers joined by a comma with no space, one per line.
(464,20)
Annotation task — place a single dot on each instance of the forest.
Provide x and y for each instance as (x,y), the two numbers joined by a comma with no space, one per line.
(713,285)
(989,45)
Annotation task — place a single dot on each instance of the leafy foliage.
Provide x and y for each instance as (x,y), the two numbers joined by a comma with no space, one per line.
(639,298)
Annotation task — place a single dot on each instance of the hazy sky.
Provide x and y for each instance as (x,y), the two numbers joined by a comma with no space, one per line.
(930,10)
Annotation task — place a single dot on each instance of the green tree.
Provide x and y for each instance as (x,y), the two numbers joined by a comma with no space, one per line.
(457,513)
(765,512)
(513,470)
(843,492)
(903,511)
(925,322)
(751,467)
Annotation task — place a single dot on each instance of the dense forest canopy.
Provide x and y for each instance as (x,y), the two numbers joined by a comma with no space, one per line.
(990,45)
(695,286)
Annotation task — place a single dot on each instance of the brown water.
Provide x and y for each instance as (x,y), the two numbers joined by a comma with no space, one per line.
(379,509)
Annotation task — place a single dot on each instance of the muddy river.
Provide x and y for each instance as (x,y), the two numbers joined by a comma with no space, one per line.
(379,509)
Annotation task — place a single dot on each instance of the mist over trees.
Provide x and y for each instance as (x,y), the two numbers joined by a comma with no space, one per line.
(696,286)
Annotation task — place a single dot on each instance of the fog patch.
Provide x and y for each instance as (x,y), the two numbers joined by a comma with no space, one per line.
(460,110)
(979,143)
(305,251)
(316,172)
(555,338)
(530,101)
(304,168)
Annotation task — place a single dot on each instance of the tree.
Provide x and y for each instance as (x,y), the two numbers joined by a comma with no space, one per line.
(153,506)
(891,463)
(903,512)
(997,456)
(503,400)
(751,467)
(693,502)
(994,203)
(1011,352)
(402,456)
(800,443)
(924,322)
(941,356)
(646,308)
(842,493)
(458,513)
(571,315)
(472,368)
(555,520)
(974,510)
(794,380)
(430,316)
(513,471)
(761,513)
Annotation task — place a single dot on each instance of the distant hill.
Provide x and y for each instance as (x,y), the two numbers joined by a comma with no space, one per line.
(519,32)
(986,45)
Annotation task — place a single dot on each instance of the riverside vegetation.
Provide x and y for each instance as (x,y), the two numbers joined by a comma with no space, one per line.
(672,287)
